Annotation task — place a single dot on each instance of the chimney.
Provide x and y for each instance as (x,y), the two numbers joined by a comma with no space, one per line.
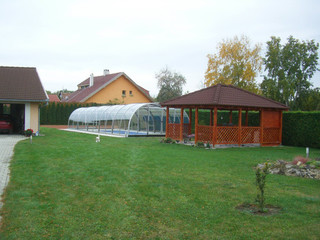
(91,80)
(106,72)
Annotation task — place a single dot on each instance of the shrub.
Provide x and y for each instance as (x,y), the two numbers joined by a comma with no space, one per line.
(58,113)
(200,144)
(300,159)
(301,129)
(261,175)
(167,140)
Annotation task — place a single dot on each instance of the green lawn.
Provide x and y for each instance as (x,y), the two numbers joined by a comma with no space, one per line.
(67,186)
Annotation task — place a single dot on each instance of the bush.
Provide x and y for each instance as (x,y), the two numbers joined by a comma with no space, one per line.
(301,129)
(59,113)
(167,140)
(200,144)
(261,175)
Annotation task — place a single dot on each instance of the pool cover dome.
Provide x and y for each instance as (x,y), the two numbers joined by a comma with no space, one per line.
(124,120)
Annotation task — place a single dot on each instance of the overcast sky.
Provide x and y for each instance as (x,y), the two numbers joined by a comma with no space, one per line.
(68,40)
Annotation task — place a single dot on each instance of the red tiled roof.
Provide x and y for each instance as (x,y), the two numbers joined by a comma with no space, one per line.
(99,83)
(224,95)
(53,98)
(21,84)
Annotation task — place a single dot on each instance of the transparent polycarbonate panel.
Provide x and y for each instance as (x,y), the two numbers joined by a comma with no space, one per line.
(131,119)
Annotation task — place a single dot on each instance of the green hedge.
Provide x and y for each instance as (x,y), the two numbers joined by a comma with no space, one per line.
(58,113)
(301,129)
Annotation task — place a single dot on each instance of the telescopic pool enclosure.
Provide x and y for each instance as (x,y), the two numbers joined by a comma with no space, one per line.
(138,119)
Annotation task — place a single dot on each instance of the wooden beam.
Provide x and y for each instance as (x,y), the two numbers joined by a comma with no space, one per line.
(239,125)
(181,125)
(196,126)
(211,118)
(280,130)
(215,124)
(167,122)
(190,120)
(247,118)
(261,127)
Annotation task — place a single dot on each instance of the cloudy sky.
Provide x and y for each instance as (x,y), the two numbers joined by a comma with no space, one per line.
(67,40)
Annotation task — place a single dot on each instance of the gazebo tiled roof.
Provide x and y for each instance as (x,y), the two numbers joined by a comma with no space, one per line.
(224,96)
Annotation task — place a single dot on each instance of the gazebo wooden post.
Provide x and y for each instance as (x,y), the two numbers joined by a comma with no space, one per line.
(247,117)
(190,121)
(196,126)
(167,122)
(280,130)
(230,117)
(261,127)
(211,118)
(181,125)
(239,125)
(215,123)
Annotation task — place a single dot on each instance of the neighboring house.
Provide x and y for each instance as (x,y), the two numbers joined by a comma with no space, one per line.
(109,88)
(21,94)
(53,98)
(64,95)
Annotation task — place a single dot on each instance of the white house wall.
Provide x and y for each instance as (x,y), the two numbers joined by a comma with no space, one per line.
(32,116)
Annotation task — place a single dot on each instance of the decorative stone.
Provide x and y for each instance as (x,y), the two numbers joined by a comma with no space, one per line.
(289,169)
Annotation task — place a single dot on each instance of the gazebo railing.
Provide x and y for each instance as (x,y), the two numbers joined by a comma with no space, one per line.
(173,130)
(250,135)
(227,134)
(271,135)
(205,133)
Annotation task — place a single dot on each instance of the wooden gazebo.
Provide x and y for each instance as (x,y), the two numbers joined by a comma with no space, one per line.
(227,97)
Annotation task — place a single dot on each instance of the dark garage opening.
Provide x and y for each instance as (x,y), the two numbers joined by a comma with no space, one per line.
(16,112)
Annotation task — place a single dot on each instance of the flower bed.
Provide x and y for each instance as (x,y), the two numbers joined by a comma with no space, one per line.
(299,167)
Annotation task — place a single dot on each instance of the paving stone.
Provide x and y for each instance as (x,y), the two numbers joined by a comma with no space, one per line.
(7,143)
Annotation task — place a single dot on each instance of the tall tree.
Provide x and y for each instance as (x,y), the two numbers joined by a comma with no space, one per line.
(170,84)
(290,68)
(308,100)
(235,63)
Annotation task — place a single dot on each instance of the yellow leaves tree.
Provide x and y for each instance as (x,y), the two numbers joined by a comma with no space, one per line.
(235,63)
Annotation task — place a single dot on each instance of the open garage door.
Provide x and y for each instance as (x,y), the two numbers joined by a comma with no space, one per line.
(16,112)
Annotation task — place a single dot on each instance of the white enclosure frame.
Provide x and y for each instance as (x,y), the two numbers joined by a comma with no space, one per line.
(137,119)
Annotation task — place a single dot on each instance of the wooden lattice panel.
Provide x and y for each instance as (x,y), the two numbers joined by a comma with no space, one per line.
(205,133)
(250,135)
(227,135)
(173,131)
(271,135)
(186,129)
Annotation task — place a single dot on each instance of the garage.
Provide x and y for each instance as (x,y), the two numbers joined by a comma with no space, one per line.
(21,96)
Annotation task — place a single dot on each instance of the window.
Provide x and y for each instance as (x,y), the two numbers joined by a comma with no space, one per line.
(123,93)
(130,92)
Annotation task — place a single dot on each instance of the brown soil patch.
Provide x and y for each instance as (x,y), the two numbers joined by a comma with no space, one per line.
(254,209)
(55,126)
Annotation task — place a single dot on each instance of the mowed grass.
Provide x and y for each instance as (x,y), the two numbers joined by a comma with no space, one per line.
(67,186)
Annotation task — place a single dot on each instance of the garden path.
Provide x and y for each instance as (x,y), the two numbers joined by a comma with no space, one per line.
(7,143)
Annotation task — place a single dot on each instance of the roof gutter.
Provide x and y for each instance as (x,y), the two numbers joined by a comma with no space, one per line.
(19,100)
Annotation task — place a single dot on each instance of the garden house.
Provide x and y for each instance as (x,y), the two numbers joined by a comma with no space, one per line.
(236,116)
(137,119)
